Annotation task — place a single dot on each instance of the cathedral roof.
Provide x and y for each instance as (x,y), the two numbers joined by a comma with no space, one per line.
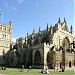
(44,31)
(62,25)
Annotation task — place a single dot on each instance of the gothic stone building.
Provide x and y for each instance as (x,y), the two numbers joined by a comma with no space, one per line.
(50,48)
(5,40)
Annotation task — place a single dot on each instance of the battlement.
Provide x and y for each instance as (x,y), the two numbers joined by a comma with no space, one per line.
(47,44)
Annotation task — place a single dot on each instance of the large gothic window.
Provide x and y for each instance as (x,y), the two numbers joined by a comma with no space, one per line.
(66,43)
(37,57)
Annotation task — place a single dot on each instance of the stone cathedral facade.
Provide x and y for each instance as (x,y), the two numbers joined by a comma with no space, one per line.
(5,40)
(52,48)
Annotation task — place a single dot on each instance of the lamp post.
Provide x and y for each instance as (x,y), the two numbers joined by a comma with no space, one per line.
(1,15)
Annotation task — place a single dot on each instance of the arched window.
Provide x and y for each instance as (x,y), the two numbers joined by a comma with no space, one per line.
(37,57)
(9,30)
(5,29)
(66,43)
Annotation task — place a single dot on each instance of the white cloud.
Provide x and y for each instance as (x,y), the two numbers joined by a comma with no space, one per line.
(20,1)
(9,6)
(13,5)
(6,5)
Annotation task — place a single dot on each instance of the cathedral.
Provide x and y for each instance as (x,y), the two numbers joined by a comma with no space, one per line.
(52,48)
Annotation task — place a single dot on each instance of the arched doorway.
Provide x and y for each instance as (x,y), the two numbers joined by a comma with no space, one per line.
(65,46)
(48,60)
(37,57)
(60,64)
(69,63)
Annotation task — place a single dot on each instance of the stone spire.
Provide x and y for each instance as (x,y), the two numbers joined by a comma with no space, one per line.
(51,29)
(39,33)
(47,27)
(39,29)
(27,34)
(64,20)
(59,21)
(11,24)
(71,29)
(34,31)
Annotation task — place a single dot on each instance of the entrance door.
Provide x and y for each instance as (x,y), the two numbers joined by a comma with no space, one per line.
(65,46)
(69,63)
(60,64)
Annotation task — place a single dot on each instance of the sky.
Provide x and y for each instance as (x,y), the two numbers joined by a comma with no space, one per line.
(29,14)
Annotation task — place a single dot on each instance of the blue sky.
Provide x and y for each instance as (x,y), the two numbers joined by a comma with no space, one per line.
(29,14)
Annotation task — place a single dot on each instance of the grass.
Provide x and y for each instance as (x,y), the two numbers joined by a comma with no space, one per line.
(17,71)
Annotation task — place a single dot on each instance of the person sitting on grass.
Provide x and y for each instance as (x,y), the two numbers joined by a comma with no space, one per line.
(2,68)
(22,69)
(30,67)
(45,71)
(62,69)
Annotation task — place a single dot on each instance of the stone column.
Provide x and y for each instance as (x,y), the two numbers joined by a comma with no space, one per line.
(45,55)
(45,62)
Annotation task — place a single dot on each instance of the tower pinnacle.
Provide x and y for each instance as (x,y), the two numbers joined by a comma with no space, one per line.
(59,21)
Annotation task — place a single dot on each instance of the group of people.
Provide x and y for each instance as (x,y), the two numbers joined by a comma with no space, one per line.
(2,68)
(22,69)
(44,71)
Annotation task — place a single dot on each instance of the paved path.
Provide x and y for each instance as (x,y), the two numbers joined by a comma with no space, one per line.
(71,68)
(2,74)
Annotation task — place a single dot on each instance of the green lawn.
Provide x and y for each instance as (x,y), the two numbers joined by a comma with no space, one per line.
(16,71)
